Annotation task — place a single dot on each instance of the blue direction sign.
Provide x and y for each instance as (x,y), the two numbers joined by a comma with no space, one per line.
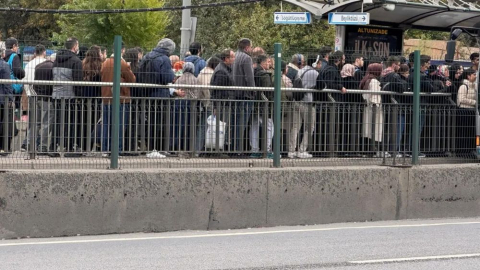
(349,18)
(292,18)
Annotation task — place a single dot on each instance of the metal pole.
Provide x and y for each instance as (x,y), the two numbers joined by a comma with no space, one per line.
(186,28)
(416,110)
(117,51)
(277,105)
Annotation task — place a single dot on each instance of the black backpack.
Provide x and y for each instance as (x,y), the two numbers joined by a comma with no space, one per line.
(145,74)
(298,83)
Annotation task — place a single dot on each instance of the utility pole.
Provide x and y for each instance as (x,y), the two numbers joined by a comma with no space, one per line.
(186,28)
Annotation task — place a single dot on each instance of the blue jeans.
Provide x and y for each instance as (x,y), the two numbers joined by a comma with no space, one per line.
(180,129)
(107,126)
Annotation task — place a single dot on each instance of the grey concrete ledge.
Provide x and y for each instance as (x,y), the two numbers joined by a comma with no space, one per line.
(57,203)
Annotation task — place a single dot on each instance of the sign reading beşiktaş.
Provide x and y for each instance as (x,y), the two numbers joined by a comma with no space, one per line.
(349,18)
(292,18)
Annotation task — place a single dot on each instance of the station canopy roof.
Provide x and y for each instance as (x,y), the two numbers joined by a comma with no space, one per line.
(439,15)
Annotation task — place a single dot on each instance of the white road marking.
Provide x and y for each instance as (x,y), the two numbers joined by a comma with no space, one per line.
(427,258)
(234,234)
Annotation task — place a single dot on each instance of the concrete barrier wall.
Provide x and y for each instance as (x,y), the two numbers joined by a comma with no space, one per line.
(47,203)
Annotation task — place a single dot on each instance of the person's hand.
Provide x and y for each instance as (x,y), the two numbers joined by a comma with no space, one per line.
(180,93)
(448,83)
(344,90)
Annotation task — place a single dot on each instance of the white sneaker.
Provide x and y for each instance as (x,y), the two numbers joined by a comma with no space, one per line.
(292,154)
(304,155)
(155,154)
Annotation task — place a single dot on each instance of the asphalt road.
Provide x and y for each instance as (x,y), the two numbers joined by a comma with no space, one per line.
(425,244)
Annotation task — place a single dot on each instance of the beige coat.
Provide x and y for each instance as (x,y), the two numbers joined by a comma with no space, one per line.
(374,104)
(466,97)
(204,78)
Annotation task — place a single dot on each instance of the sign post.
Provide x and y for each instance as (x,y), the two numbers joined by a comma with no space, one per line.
(292,18)
(349,18)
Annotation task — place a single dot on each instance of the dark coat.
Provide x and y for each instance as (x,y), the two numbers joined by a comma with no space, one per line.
(222,76)
(17,65)
(43,72)
(263,78)
(243,75)
(5,89)
(329,78)
(67,67)
(426,86)
(156,68)
(393,82)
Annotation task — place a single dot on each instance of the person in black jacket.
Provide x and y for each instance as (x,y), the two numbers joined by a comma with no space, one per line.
(222,99)
(395,80)
(455,74)
(358,62)
(329,77)
(427,85)
(12,48)
(262,79)
(6,96)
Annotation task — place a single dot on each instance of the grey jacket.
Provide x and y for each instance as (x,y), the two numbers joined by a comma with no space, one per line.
(67,67)
(243,75)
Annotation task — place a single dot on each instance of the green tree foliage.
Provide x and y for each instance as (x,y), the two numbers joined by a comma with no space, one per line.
(29,28)
(137,29)
(222,27)
(426,35)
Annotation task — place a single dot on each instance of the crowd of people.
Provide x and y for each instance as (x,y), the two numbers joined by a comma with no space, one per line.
(175,119)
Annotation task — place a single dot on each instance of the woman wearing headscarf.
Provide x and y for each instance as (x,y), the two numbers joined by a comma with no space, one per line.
(182,129)
(373,114)
(456,77)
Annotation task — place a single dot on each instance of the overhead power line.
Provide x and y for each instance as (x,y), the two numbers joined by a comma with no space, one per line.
(109,11)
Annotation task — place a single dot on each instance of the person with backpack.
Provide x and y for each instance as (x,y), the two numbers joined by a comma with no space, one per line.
(6,95)
(196,49)
(297,63)
(301,106)
(156,68)
(16,66)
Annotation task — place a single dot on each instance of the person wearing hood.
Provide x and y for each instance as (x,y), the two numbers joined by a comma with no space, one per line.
(67,67)
(156,68)
(196,50)
(467,103)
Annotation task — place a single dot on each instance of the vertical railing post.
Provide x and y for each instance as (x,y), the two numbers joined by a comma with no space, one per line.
(416,110)
(116,103)
(277,105)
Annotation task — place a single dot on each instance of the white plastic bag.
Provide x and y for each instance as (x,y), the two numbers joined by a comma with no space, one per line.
(211,136)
